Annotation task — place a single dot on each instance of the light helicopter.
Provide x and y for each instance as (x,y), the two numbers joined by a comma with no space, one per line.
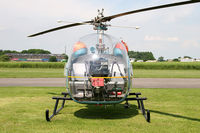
(99,71)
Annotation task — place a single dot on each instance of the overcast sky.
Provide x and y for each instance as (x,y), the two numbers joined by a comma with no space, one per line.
(170,32)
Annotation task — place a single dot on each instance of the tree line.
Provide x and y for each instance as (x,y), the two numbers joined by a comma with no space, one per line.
(29,51)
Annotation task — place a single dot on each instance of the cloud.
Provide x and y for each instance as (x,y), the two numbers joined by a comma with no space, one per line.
(190,44)
(172,39)
(172,15)
(50,8)
(160,38)
(2,28)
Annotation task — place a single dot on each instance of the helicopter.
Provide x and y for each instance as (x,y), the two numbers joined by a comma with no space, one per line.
(99,71)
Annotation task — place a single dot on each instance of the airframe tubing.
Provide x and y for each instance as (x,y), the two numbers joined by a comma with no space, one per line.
(101,102)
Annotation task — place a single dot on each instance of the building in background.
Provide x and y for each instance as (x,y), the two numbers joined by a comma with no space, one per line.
(198,60)
(34,57)
(186,60)
(151,61)
(140,61)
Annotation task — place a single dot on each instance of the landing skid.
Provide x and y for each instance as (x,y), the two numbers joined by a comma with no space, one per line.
(139,100)
(55,111)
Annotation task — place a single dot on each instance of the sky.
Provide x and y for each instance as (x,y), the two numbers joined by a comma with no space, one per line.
(171,32)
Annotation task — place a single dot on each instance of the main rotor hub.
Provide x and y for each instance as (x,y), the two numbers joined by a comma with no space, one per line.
(98,24)
(100,27)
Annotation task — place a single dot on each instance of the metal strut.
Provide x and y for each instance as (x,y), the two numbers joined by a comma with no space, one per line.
(55,111)
(145,112)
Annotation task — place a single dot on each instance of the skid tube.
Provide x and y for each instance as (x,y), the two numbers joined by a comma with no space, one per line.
(55,111)
(139,100)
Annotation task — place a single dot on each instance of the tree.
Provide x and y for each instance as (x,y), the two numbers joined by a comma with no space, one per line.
(175,60)
(1,52)
(187,57)
(4,58)
(141,55)
(66,57)
(53,59)
(160,59)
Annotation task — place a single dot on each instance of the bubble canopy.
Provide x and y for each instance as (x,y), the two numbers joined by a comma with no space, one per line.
(98,70)
(98,44)
(92,40)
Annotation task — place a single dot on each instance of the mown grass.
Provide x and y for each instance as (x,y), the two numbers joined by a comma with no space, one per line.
(59,73)
(32,65)
(172,110)
(167,65)
(149,73)
(31,73)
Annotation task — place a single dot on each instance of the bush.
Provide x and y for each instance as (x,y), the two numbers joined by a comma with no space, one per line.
(66,57)
(52,59)
(136,65)
(4,58)
(175,60)
(161,59)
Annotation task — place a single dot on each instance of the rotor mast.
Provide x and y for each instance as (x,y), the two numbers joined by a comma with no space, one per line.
(100,27)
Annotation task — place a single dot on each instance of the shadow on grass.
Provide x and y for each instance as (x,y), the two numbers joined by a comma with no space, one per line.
(110,112)
(177,116)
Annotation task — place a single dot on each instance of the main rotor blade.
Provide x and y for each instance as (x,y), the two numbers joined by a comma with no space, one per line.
(61,27)
(148,9)
(135,27)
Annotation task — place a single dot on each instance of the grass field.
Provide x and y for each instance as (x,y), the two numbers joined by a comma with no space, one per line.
(32,65)
(59,73)
(31,73)
(167,65)
(172,110)
(147,73)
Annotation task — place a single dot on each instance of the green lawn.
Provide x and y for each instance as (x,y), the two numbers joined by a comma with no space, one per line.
(31,73)
(59,73)
(22,109)
(147,73)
